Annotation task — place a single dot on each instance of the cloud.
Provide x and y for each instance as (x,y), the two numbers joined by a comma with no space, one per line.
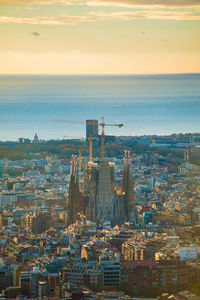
(75,19)
(37,2)
(113,3)
(35,33)
(53,20)
(33,21)
(134,4)
(143,3)
(152,14)
(26,8)
(149,14)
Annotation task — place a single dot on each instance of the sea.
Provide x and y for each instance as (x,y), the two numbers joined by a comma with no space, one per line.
(145,104)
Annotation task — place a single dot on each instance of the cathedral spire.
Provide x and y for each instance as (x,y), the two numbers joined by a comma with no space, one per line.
(128,188)
(75,197)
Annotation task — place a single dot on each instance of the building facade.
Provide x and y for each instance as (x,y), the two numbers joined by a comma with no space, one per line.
(91,128)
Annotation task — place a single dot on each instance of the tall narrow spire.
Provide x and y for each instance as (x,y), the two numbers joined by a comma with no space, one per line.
(75,203)
(128,188)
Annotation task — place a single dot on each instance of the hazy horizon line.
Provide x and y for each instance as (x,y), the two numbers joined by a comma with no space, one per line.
(123,74)
(122,136)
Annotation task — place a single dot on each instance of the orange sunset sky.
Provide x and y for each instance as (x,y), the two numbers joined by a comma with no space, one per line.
(99,36)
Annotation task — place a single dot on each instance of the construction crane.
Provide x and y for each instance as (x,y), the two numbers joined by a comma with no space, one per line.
(186,155)
(90,140)
(102,124)
(79,163)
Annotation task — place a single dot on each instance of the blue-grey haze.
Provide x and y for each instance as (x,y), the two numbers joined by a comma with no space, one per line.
(153,104)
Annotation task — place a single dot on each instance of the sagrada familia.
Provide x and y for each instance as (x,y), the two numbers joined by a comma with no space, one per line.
(101,200)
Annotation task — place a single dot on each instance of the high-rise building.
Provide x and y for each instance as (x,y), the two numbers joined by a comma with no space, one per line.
(91,128)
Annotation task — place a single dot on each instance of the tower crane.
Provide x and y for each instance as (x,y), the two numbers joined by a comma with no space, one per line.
(90,140)
(102,124)
(79,163)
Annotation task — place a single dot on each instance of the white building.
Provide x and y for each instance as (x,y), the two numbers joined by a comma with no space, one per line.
(187,253)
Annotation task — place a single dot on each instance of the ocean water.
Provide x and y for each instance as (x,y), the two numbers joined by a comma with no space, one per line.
(153,104)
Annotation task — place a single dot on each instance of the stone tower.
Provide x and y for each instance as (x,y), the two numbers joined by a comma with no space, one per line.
(100,195)
(128,190)
(75,197)
(105,196)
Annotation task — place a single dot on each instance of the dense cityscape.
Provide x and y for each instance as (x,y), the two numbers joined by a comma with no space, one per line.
(125,226)
(100,150)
